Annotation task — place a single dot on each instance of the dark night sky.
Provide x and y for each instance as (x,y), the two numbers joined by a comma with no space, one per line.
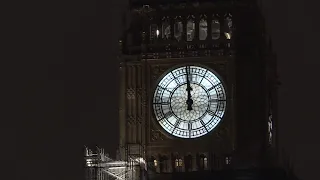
(293,27)
(70,84)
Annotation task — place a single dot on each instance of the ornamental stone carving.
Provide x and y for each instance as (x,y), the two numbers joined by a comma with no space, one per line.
(131,120)
(157,71)
(156,135)
(139,119)
(144,9)
(139,92)
(222,133)
(130,93)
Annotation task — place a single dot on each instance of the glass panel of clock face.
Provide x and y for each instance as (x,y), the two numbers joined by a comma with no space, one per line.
(184,120)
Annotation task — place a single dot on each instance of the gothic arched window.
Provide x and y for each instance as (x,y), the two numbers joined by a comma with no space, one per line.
(166,28)
(188,163)
(203,162)
(164,165)
(154,32)
(228,27)
(203,28)
(191,27)
(215,28)
(178,29)
(178,164)
(228,160)
(153,162)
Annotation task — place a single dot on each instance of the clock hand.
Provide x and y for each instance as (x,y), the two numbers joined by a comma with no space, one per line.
(189,89)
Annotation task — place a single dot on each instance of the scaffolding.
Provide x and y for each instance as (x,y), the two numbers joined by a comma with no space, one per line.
(100,166)
(136,167)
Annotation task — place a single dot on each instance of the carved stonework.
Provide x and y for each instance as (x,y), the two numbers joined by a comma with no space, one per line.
(157,71)
(139,119)
(194,53)
(222,133)
(181,54)
(130,120)
(207,53)
(139,92)
(144,100)
(165,7)
(222,67)
(152,54)
(168,55)
(130,93)
(155,56)
(144,9)
(143,35)
(156,135)
(181,6)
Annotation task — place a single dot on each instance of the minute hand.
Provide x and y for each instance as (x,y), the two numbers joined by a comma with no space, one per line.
(189,89)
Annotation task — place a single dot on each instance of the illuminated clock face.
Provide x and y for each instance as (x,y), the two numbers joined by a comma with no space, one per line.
(189,101)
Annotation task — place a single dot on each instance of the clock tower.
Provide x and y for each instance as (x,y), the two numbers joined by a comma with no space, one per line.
(196,88)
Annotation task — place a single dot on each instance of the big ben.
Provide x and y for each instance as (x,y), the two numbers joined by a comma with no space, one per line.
(196,87)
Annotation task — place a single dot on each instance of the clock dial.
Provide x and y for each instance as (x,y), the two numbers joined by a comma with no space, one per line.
(189,101)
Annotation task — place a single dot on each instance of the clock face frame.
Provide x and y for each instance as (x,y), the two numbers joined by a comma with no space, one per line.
(208,101)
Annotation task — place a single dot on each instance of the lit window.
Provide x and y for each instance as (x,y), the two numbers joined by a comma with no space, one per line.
(228,35)
(228,160)
(166,30)
(190,30)
(178,30)
(228,28)
(178,165)
(154,31)
(178,162)
(205,162)
(215,29)
(203,29)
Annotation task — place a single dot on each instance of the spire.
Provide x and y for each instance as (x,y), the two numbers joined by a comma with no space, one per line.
(86,151)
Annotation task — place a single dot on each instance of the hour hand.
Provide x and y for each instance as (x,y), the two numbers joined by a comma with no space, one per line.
(189,104)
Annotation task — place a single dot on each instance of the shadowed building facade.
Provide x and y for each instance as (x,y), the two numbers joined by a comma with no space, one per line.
(197,87)
(197,91)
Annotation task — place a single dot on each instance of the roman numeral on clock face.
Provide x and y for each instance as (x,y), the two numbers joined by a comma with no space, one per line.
(168,114)
(213,100)
(162,103)
(177,123)
(211,113)
(213,87)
